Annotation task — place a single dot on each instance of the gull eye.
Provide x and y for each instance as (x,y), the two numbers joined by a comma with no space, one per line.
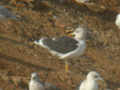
(95,76)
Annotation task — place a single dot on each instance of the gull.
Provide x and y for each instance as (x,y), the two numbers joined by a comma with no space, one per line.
(65,47)
(90,83)
(36,84)
(5,13)
(117,21)
(81,1)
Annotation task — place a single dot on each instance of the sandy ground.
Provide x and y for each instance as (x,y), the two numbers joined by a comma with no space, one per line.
(19,57)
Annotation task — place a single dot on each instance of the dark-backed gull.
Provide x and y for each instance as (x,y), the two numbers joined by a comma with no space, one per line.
(36,84)
(90,83)
(5,13)
(66,47)
(117,21)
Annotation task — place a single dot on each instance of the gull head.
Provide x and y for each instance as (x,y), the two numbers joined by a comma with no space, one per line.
(94,76)
(80,33)
(34,76)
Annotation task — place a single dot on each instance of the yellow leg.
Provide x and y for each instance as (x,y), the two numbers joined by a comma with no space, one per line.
(66,66)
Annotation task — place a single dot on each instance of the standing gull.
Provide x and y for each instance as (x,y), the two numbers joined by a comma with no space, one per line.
(36,84)
(66,47)
(90,83)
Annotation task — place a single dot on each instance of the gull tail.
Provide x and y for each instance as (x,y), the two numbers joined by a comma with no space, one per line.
(40,42)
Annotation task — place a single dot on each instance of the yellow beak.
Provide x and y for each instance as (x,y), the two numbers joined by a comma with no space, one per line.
(71,34)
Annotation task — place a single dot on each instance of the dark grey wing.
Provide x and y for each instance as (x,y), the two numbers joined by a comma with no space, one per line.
(62,44)
(50,43)
(49,86)
(66,39)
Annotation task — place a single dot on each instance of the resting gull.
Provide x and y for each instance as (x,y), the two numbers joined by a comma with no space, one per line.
(90,83)
(36,84)
(66,47)
(117,21)
(5,13)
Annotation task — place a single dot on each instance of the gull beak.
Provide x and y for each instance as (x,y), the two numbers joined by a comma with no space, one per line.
(72,34)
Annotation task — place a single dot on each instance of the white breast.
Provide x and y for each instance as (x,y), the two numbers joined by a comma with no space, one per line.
(117,21)
(33,85)
(88,86)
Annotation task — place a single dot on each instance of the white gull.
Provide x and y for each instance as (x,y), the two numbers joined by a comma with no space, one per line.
(90,83)
(36,84)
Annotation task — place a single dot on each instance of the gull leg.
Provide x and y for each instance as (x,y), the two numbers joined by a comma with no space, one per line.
(66,66)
